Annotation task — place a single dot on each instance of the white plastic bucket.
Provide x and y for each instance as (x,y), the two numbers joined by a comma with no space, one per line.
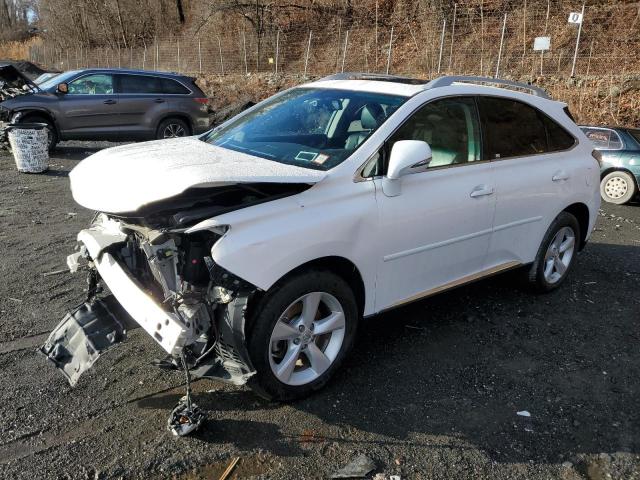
(30,145)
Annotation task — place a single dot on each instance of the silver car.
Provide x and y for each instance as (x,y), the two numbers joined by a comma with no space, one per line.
(109,104)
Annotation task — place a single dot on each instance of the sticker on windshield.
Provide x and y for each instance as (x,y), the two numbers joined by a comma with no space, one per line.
(321,158)
(303,156)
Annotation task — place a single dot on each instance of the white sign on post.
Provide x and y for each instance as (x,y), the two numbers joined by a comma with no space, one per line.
(542,44)
(575,17)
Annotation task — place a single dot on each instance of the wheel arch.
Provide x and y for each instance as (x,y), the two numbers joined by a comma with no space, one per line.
(581,212)
(37,112)
(340,266)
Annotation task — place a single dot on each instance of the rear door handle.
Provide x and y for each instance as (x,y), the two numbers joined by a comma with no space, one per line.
(109,102)
(560,176)
(159,100)
(481,191)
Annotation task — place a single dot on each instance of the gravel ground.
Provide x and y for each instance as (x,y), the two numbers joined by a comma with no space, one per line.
(430,391)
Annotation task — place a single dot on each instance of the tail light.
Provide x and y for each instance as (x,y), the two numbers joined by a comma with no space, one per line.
(597,154)
(203,101)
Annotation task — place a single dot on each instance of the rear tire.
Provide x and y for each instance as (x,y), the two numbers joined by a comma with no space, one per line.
(173,128)
(618,187)
(51,129)
(556,254)
(312,345)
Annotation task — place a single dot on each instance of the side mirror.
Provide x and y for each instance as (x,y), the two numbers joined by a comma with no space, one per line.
(63,88)
(407,156)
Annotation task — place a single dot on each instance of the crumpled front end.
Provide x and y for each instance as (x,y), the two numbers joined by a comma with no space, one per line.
(165,282)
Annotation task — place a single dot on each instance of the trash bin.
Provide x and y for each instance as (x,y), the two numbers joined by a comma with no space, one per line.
(30,145)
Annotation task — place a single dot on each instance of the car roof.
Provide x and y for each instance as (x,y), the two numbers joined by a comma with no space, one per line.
(610,127)
(407,87)
(133,71)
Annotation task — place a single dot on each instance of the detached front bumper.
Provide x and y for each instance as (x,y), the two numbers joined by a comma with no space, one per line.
(166,328)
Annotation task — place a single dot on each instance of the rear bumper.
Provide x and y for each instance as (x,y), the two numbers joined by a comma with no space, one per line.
(165,328)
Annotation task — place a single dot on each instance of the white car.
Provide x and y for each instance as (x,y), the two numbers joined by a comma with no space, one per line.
(252,253)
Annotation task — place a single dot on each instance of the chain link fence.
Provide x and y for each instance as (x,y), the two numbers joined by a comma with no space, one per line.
(425,43)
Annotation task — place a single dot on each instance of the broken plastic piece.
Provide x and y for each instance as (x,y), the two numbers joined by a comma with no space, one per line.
(523,413)
(185,418)
(359,467)
(84,335)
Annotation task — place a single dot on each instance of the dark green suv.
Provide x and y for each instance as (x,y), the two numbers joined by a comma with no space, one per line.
(620,167)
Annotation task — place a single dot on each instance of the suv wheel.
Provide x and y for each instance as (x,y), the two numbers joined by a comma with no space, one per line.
(51,130)
(617,187)
(173,128)
(301,333)
(556,254)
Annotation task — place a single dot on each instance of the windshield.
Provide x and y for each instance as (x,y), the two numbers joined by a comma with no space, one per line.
(314,128)
(635,134)
(54,81)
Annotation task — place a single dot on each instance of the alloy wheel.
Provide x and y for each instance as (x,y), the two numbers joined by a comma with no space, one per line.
(559,255)
(174,130)
(307,338)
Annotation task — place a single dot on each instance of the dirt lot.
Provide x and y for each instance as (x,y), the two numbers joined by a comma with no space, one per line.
(430,391)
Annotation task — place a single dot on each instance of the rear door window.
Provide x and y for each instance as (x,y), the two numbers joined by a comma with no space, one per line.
(138,84)
(511,128)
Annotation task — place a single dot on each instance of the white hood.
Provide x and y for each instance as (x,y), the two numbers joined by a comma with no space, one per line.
(123,179)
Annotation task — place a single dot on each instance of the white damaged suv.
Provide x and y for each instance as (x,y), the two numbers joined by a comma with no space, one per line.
(250,253)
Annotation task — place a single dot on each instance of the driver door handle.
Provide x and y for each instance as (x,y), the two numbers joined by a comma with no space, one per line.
(481,191)
(159,100)
(109,102)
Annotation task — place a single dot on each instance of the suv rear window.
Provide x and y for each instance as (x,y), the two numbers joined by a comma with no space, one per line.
(172,87)
(515,129)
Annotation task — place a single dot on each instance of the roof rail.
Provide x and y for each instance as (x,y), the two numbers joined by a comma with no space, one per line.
(378,77)
(450,80)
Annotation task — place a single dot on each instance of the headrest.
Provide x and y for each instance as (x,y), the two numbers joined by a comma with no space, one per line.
(372,116)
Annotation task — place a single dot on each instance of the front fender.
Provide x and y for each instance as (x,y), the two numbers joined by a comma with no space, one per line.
(265,242)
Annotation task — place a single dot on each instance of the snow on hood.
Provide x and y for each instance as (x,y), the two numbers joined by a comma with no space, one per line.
(123,179)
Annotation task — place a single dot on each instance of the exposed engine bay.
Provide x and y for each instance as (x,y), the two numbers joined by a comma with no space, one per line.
(164,280)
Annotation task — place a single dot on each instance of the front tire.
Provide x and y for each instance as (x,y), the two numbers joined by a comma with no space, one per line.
(618,187)
(556,254)
(300,333)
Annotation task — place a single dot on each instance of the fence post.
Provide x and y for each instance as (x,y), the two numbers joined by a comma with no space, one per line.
(344,52)
(244,47)
(589,62)
(199,56)
(277,49)
(221,60)
(178,47)
(119,64)
(157,55)
(389,54)
(444,26)
(144,55)
(306,57)
(376,38)
(575,53)
(338,44)
(453,32)
(504,25)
